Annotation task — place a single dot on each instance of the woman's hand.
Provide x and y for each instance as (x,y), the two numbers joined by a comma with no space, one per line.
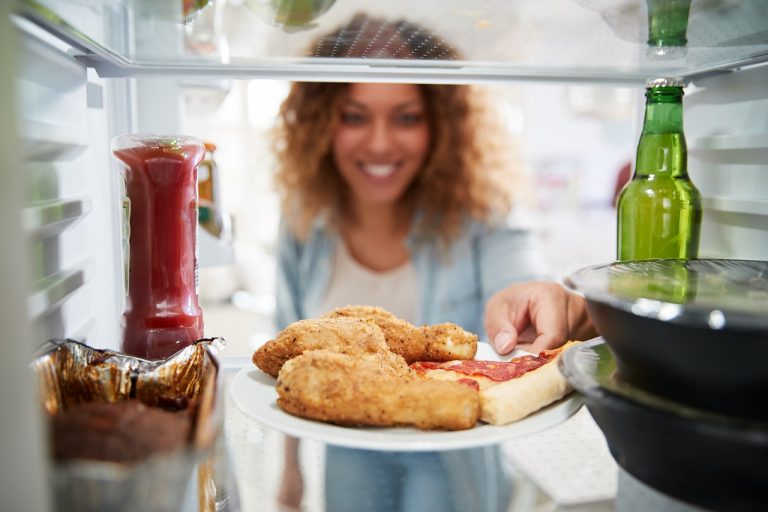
(536,316)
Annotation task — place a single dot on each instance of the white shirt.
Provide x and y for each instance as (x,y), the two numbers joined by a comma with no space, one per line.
(351,283)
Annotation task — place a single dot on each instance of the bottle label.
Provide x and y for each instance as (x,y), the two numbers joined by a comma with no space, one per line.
(197,249)
(125,235)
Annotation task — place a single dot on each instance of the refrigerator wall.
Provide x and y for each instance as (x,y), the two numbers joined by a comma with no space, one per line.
(67,115)
(22,449)
(61,260)
(726,123)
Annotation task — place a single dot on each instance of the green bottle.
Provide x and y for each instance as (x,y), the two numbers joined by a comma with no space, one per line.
(667,25)
(659,210)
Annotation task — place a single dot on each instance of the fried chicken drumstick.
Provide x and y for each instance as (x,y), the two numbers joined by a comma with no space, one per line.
(345,335)
(441,342)
(352,390)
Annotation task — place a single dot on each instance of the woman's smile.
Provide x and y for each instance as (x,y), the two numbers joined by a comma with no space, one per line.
(379,170)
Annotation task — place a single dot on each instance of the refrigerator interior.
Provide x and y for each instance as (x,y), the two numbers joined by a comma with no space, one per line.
(86,71)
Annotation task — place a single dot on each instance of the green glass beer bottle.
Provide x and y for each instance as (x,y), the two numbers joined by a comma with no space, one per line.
(667,27)
(659,210)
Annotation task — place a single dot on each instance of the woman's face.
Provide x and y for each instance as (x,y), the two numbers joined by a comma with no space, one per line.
(382,140)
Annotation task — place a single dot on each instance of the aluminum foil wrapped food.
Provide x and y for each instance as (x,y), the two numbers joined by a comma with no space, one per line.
(161,420)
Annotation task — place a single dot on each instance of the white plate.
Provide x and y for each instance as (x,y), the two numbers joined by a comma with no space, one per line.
(253,392)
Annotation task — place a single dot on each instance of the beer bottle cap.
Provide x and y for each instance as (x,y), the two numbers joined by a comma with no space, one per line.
(665,82)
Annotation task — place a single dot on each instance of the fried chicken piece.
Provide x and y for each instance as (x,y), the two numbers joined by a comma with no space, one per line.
(352,336)
(442,342)
(448,342)
(347,390)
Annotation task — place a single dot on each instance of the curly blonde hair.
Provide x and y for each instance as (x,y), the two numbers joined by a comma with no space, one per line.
(468,171)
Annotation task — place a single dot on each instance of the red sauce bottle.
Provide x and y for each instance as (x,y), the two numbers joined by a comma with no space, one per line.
(162,314)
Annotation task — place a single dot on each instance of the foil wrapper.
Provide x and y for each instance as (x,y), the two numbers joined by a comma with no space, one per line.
(70,373)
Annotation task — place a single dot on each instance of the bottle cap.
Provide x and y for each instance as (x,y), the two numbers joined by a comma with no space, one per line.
(665,82)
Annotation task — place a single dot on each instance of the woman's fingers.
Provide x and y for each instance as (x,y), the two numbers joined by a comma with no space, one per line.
(544,314)
(498,325)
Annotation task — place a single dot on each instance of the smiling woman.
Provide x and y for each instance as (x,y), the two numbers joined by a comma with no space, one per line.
(389,160)
(396,195)
(449,127)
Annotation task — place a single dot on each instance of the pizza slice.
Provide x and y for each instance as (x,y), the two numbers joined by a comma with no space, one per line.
(509,390)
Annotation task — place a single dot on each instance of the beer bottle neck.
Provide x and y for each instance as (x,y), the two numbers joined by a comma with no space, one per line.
(664,110)
(662,149)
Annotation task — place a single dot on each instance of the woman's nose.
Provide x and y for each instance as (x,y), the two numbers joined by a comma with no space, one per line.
(380,139)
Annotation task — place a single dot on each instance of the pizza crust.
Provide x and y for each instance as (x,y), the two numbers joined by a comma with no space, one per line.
(517,398)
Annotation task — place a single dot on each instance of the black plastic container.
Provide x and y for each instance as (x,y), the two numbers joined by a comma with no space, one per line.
(694,331)
(705,459)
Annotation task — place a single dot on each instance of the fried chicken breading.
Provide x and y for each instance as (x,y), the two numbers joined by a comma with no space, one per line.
(448,342)
(352,336)
(443,342)
(351,390)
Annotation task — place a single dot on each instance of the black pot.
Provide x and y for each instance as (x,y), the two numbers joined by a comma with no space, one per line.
(705,459)
(693,331)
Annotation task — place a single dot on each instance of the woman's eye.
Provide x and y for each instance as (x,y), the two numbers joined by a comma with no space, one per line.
(409,119)
(352,118)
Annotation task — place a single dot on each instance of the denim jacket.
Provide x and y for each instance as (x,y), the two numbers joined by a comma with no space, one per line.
(454,283)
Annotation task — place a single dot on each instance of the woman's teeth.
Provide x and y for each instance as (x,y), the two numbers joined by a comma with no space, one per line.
(380,171)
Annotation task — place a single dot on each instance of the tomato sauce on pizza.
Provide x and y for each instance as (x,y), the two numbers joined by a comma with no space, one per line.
(498,371)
